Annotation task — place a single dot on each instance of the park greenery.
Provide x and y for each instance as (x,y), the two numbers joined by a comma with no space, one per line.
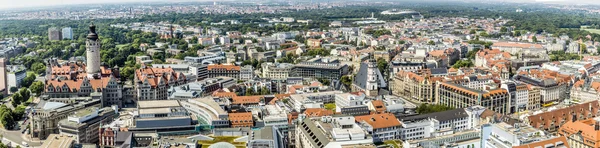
(463,63)
(330,106)
(561,56)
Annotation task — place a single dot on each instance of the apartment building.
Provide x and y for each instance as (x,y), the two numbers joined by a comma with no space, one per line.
(440,123)
(414,86)
(551,121)
(246,72)
(276,70)
(15,75)
(458,96)
(382,126)
(505,135)
(153,83)
(351,104)
(581,133)
(552,85)
(221,70)
(243,119)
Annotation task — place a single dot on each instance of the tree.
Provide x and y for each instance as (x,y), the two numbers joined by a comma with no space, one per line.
(264,91)
(401,42)
(431,42)
(503,29)
(324,81)
(427,108)
(28,80)
(19,112)
(517,33)
(463,63)
(534,39)
(13,89)
(346,80)
(330,106)
(25,92)
(249,91)
(6,117)
(38,67)
(17,98)
(472,31)
(194,40)
(382,65)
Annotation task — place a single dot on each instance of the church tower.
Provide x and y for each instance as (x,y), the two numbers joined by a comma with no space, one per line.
(92,45)
(372,83)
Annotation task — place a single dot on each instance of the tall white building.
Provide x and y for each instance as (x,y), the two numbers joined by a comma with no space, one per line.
(14,75)
(92,45)
(504,135)
(350,104)
(67,33)
(440,123)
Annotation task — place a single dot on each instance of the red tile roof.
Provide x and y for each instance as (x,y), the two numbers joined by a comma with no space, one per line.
(378,121)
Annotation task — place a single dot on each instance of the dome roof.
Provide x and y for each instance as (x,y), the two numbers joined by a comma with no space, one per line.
(92,35)
(222,145)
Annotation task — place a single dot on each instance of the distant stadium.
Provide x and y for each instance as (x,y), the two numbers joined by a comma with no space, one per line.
(400,12)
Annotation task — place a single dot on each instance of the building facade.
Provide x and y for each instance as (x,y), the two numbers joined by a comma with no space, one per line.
(382,126)
(246,73)
(153,83)
(45,116)
(458,96)
(54,34)
(223,71)
(67,33)
(84,123)
(15,75)
(276,70)
(315,70)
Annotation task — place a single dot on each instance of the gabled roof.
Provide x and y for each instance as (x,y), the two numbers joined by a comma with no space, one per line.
(317,112)
(378,121)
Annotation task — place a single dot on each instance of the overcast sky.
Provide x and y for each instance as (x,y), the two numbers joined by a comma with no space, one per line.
(37,3)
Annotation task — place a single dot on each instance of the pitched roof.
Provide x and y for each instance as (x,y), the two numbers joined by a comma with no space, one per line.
(587,129)
(246,99)
(379,120)
(155,76)
(554,141)
(519,45)
(221,66)
(317,112)
(245,116)
(546,118)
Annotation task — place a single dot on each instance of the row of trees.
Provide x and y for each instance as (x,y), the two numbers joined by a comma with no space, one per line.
(431,108)
(263,91)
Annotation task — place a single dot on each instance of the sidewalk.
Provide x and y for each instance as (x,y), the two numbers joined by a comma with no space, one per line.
(31,142)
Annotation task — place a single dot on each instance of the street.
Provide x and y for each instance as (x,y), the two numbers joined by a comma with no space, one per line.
(15,137)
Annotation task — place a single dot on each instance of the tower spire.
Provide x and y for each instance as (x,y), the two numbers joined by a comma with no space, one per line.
(92,35)
(92,53)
